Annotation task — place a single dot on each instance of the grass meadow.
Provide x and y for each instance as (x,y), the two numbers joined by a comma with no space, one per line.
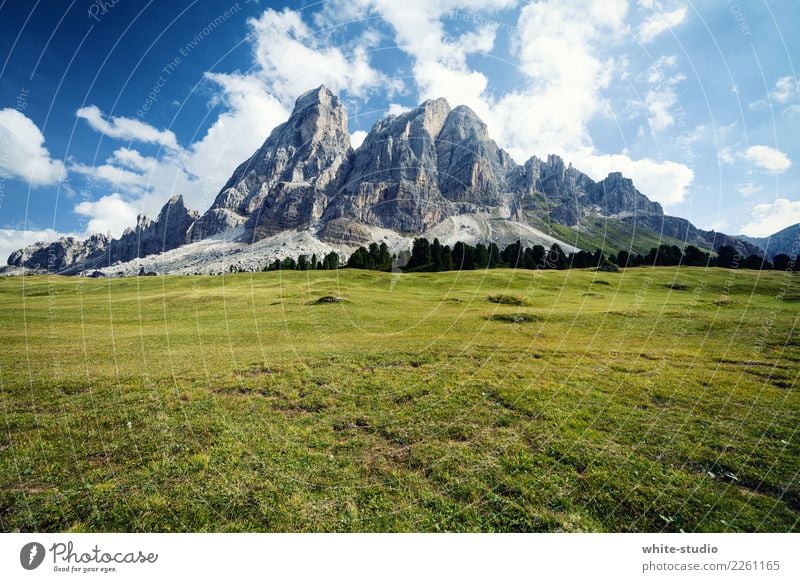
(658,399)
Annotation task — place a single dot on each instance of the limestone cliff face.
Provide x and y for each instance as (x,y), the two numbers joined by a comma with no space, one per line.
(471,168)
(392,179)
(285,183)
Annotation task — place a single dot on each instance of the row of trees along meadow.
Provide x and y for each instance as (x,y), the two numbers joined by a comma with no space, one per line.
(426,256)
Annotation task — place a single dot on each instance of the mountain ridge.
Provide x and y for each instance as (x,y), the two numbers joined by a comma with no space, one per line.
(412,173)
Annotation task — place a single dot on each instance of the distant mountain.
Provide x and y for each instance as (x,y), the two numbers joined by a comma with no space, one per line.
(786,241)
(431,171)
(149,237)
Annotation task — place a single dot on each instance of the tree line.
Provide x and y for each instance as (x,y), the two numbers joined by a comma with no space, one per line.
(426,256)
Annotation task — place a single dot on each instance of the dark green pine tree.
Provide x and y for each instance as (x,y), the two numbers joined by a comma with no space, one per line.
(384,262)
(421,258)
(556,259)
(495,258)
(360,259)
(481,256)
(512,255)
(331,261)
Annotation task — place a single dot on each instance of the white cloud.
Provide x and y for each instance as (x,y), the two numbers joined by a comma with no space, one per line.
(660,100)
(767,158)
(661,22)
(665,182)
(132,159)
(726,156)
(560,47)
(126,128)
(110,214)
(659,105)
(22,151)
(118,177)
(762,157)
(768,219)
(357,138)
(749,188)
(292,58)
(397,109)
(14,239)
(785,90)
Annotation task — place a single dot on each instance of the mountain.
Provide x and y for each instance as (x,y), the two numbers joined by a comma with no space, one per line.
(149,237)
(786,241)
(433,171)
(286,182)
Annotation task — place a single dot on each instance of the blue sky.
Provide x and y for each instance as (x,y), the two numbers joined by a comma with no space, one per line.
(109,108)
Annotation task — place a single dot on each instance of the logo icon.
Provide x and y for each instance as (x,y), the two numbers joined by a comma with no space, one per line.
(31,555)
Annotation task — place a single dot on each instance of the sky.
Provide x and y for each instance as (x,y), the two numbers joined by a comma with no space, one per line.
(108,108)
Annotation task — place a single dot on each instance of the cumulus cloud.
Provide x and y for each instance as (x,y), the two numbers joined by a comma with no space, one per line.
(784,93)
(108,215)
(22,151)
(126,128)
(760,157)
(769,218)
(661,22)
(768,158)
(661,99)
(291,58)
(560,49)
(785,90)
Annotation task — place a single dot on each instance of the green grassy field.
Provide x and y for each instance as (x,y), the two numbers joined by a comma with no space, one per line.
(647,400)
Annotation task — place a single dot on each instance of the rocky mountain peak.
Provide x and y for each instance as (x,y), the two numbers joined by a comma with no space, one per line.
(432,115)
(318,116)
(616,194)
(300,158)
